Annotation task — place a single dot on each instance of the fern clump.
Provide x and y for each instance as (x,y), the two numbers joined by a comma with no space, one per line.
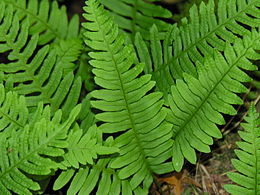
(108,106)
(248,164)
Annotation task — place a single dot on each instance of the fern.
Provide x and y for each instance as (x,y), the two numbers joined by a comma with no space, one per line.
(83,148)
(38,74)
(196,104)
(98,175)
(31,148)
(248,164)
(137,15)
(13,112)
(49,21)
(114,134)
(208,28)
(124,100)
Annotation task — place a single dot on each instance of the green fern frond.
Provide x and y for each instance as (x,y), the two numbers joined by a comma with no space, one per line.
(68,51)
(196,103)
(208,27)
(126,106)
(98,176)
(31,149)
(49,21)
(40,75)
(84,148)
(137,15)
(155,56)
(248,164)
(13,111)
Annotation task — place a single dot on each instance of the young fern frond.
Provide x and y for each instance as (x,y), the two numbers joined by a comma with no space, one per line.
(32,148)
(49,21)
(137,15)
(248,164)
(208,28)
(40,75)
(196,103)
(126,106)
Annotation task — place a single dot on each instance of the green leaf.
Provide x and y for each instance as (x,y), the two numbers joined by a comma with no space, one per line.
(248,177)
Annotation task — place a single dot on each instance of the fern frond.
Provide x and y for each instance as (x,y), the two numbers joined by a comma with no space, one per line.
(248,164)
(98,176)
(45,19)
(84,148)
(155,55)
(68,51)
(31,150)
(196,103)
(13,111)
(39,75)
(208,28)
(137,15)
(125,103)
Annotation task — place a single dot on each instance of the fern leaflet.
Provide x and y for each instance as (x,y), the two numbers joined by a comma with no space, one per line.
(248,164)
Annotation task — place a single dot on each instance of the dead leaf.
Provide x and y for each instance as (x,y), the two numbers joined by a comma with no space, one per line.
(178,180)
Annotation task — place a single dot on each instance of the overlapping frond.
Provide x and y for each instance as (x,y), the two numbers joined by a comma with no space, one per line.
(126,106)
(40,75)
(98,177)
(137,15)
(45,19)
(248,164)
(32,149)
(208,28)
(84,148)
(155,55)
(196,103)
